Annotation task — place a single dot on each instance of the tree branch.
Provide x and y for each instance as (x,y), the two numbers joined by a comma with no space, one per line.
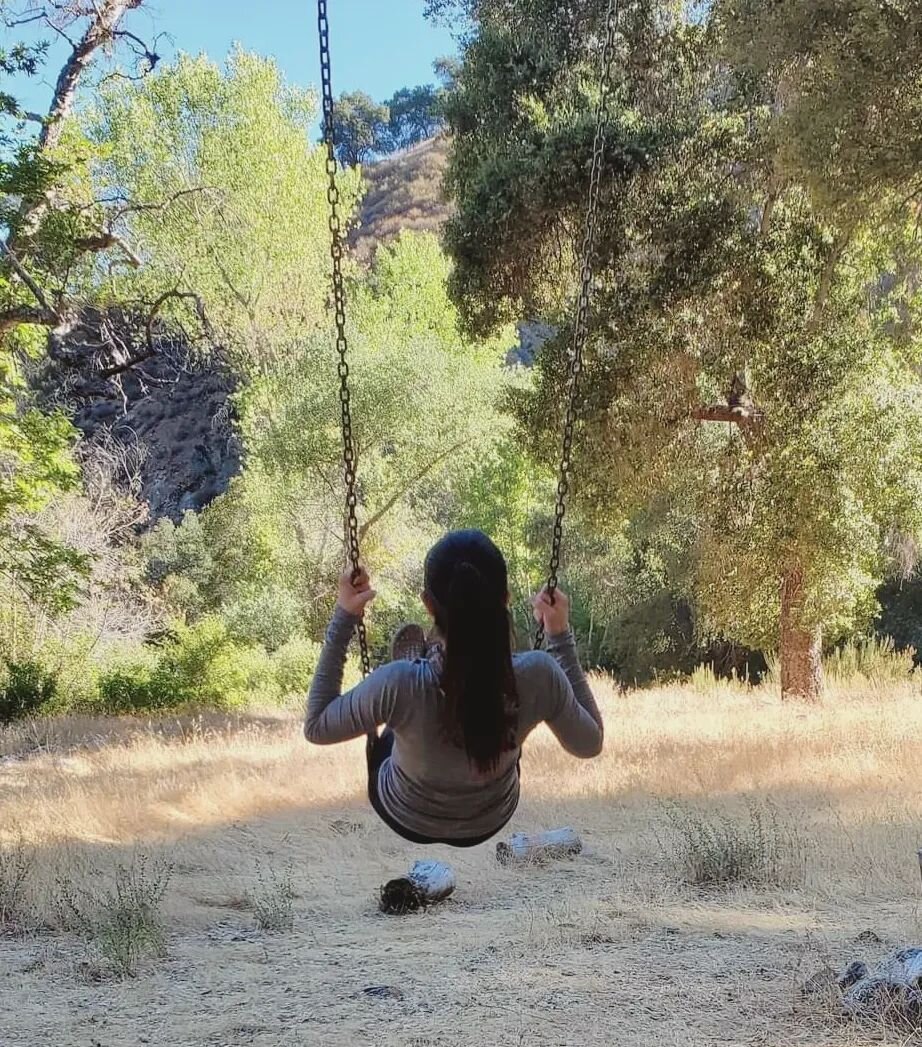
(825,285)
(99,32)
(104,21)
(26,314)
(20,270)
(106,240)
(161,302)
(401,491)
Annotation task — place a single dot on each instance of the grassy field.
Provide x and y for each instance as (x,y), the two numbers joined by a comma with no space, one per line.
(820,810)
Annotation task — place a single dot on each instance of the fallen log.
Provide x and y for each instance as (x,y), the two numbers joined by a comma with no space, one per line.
(426,883)
(523,848)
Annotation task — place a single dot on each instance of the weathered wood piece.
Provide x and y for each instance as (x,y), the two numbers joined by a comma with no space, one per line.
(522,848)
(426,883)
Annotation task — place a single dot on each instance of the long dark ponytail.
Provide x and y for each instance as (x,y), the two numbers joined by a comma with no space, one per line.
(467,587)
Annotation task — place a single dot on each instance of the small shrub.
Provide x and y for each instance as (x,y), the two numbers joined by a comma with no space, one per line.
(711,850)
(182,596)
(198,665)
(183,550)
(268,619)
(203,665)
(27,690)
(272,900)
(15,866)
(123,921)
(128,688)
(294,665)
(876,660)
(129,926)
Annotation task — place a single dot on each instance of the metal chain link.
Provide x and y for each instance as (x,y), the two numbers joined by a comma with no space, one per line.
(581,326)
(339,305)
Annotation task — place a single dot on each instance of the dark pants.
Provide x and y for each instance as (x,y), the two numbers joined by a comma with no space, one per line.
(379,750)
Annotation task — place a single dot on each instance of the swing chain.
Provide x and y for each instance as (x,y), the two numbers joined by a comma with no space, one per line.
(339,307)
(581,325)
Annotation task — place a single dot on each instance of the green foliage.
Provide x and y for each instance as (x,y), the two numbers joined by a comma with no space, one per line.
(851,123)
(179,560)
(228,198)
(414,114)
(169,549)
(360,127)
(294,665)
(706,281)
(426,410)
(129,688)
(365,130)
(198,665)
(272,900)
(27,689)
(129,927)
(36,451)
(123,920)
(267,618)
(877,661)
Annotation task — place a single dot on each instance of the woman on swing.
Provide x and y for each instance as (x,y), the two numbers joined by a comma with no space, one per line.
(446,768)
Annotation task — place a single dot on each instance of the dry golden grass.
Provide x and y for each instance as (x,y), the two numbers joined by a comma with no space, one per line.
(609,948)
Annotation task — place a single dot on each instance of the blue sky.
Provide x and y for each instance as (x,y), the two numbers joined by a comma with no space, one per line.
(378,45)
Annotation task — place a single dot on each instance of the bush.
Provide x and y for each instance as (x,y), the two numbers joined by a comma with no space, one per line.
(268,618)
(128,688)
(124,921)
(272,900)
(28,689)
(198,665)
(294,665)
(203,665)
(181,550)
(710,850)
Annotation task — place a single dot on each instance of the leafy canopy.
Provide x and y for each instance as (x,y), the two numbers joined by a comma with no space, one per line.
(224,196)
(712,272)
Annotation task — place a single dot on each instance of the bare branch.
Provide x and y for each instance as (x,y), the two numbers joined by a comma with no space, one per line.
(100,31)
(106,240)
(158,305)
(20,270)
(405,488)
(26,314)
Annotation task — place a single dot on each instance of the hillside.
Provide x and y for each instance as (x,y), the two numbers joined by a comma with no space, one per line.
(404,191)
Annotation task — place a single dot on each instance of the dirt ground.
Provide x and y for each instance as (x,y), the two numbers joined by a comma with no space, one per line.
(611,947)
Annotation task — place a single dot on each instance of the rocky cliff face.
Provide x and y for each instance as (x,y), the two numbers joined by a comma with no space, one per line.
(159,408)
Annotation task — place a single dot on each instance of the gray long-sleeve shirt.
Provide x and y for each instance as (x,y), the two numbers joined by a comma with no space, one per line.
(429,785)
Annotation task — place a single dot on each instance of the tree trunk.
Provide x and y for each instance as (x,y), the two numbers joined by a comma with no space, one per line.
(426,883)
(102,27)
(801,645)
(104,24)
